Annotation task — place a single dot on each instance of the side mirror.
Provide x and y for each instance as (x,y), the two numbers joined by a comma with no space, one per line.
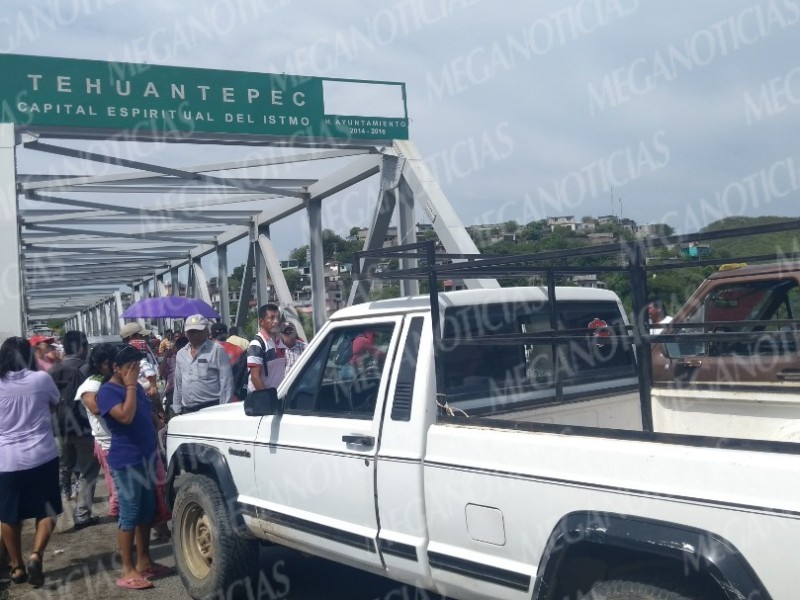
(261,403)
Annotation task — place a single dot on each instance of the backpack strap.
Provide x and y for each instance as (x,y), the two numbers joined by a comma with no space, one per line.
(263,345)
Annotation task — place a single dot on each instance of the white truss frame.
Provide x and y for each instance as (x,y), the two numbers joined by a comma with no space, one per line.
(71,266)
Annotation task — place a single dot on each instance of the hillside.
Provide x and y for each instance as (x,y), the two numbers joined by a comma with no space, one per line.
(784,242)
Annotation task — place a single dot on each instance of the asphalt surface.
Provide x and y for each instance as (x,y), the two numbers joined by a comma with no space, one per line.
(85,564)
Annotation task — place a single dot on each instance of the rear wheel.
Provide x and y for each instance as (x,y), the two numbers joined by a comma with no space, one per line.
(211,557)
(620,589)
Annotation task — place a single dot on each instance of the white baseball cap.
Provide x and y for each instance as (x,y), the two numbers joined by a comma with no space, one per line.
(195,323)
(131,328)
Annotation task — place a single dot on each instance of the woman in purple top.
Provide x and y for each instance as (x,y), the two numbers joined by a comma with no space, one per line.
(128,414)
(28,456)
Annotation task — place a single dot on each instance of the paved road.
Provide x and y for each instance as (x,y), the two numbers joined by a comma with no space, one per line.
(285,575)
(85,564)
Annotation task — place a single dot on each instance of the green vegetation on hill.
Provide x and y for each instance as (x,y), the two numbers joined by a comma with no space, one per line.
(783,243)
(673,287)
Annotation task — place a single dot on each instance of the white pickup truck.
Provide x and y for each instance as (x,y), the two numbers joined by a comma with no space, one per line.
(482,467)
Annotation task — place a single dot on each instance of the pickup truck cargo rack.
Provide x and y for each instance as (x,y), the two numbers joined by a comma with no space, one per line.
(629,257)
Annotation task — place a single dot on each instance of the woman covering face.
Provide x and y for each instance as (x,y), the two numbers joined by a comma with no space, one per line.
(127,412)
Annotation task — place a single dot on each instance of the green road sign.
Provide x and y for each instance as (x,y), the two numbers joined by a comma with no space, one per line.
(147,101)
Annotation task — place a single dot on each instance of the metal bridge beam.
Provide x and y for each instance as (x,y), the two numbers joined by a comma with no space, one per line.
(12,317)
(391,168)
(443,217)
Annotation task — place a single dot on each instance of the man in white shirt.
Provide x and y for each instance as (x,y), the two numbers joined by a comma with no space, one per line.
(657,315)
(203,374)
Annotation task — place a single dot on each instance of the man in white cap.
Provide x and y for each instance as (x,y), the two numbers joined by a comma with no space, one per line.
(203,375)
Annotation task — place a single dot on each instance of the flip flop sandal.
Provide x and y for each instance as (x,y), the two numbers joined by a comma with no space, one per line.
(134,583)
(157,570)
(18,574)
(35,572)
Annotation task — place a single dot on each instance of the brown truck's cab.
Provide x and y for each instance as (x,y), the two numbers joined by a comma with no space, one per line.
(734,385)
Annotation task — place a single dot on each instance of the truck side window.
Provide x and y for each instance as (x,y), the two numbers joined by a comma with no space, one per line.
(343,377)
(485,373)
(725,305)
(597,351)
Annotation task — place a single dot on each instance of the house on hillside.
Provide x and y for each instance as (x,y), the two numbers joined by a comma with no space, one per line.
(568,222)
(607,220)
(599,238)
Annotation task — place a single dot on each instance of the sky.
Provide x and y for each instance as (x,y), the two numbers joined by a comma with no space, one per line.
(678,112)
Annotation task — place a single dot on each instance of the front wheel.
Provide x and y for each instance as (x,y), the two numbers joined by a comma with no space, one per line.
(619,589)
(211,557)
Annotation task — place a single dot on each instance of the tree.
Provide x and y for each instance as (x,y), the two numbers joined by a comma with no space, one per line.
(294,279)
(299,254)
(236,278)
(560,238)
(427,235)
(238,273)
(533,231)
(56,326)
(334,247)
(389,291)
(308,325)
(662,230)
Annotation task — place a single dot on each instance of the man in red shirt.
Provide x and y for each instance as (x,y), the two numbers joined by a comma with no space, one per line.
(219,331)
(364,349)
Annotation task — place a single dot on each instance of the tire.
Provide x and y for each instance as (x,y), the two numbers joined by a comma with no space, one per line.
(620,589)
(211,557)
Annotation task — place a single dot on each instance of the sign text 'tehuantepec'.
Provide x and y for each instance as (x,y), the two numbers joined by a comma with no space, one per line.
(151,100)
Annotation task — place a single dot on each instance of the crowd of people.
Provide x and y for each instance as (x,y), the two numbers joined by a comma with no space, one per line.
(65,417)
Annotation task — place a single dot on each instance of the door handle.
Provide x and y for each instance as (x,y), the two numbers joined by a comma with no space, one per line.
(690,364)
(366,441)
(789,375)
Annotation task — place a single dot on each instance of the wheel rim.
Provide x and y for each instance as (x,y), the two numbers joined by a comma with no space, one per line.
(197,535)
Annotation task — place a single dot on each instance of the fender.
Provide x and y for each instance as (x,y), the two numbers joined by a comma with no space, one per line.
(205,460)
(696,548)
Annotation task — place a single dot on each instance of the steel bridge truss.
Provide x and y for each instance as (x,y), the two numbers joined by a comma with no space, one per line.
(70,256)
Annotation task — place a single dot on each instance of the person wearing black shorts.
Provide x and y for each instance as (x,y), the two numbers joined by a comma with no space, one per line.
(28,457)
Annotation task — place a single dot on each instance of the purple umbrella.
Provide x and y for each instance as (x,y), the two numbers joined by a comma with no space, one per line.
(169,307)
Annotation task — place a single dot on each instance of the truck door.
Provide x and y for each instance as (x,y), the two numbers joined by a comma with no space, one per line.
(315,463)
(734,387)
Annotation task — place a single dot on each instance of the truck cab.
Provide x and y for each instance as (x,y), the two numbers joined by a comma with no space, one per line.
(744,381)
(333,465)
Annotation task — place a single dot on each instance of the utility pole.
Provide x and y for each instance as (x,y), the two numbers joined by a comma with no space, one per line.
(612,200)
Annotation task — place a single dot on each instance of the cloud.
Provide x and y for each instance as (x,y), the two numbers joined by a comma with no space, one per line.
(682,68)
